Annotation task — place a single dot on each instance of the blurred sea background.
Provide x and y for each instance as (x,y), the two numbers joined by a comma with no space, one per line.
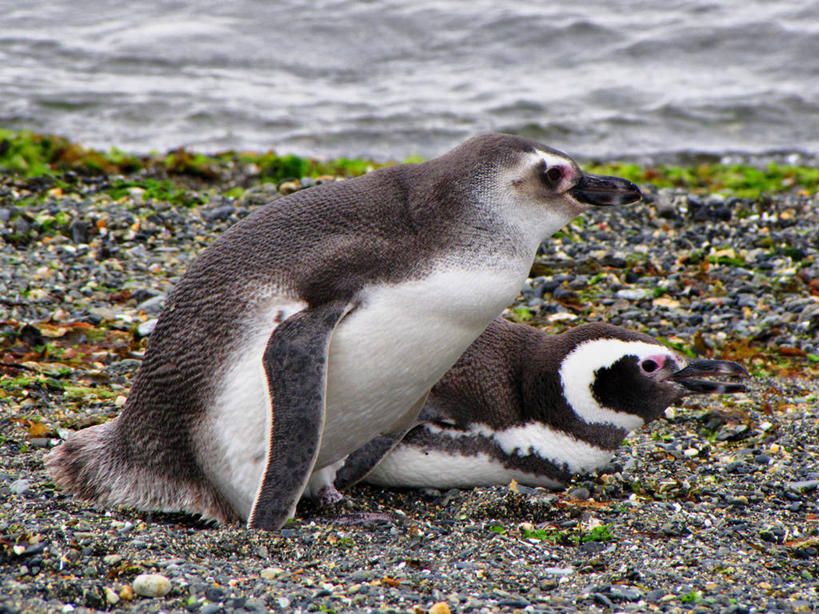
(389,79)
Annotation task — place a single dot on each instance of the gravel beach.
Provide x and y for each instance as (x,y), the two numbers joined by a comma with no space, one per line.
(713,509)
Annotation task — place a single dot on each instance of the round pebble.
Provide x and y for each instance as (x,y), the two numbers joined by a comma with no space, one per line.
(151,585)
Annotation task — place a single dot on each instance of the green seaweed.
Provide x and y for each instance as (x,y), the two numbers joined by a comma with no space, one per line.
(29,154)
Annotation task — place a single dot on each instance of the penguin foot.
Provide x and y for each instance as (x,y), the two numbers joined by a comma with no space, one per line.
(328,495)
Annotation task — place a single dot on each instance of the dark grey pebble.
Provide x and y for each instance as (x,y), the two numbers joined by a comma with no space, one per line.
(733,432)
(624,593)
(561,292)
(804,486)
(513,603)
(79,232)
(549,285)
(613,260)
(738,467)
(21,225)
(152,305)
(602,600)
(219,213)
(581,493)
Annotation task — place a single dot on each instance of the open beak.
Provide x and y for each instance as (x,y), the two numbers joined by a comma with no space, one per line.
(706,368)
(603,191)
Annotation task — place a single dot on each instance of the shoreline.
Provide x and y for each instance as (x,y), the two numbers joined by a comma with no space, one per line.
(713,508)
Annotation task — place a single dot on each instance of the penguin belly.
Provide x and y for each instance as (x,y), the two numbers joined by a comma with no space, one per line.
(384,357)
(401,339)
(410,466)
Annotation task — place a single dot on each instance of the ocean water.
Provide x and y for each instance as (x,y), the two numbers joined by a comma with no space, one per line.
(389,79)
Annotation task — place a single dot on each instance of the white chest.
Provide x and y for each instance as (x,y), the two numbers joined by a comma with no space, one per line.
(398,343)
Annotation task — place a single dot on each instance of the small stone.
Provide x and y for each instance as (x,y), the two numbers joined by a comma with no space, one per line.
(440,608)
(126,593)
(283,602)
(112,559)
(625,593)
(20,487)
(738,467)
(271,573)
(111,595)
(152,305)
(581,493)
(211,608)
(561,292)
(219,213)
(151,585)
(79,231)
(146,328)
(631,295)
(804,485)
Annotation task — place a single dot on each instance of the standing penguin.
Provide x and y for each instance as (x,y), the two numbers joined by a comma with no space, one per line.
(321,321)
(536,408)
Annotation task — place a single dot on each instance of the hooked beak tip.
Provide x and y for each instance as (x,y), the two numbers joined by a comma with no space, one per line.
(705,368)
(604,191)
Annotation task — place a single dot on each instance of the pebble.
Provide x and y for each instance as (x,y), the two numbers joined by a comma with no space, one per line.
(151,585)
(580,493)
(804,485)
(631,295)
(271,573)
(111,596)
(20,487)
(112,559)
(146,328)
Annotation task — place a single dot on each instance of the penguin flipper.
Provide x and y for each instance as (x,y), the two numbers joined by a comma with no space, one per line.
(295,361)
(362,461)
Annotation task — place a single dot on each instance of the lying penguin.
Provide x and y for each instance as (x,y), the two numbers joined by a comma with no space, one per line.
(536,408)
(321,321)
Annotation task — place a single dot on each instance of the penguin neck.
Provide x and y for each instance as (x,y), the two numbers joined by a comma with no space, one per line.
(543,397)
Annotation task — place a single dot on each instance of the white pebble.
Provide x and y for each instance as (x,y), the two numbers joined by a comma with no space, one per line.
(20,487)
(271,573)
(112,559)
(151,585)
(111,595)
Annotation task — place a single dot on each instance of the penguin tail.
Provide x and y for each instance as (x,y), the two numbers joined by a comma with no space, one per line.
(94,465)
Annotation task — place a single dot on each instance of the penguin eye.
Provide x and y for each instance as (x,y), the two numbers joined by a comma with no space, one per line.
(553,175)
(649,366)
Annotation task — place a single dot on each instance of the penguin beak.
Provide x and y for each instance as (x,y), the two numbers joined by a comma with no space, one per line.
(602,191)
(708,368)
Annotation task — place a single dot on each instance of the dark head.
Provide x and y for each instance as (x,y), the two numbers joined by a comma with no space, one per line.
(618,376)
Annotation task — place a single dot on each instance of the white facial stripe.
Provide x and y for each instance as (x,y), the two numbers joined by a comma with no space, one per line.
(577,376)
(552,159)
(570,175)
